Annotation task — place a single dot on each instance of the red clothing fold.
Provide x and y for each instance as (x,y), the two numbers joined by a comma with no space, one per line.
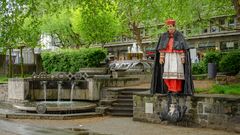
(169,47)
(174,85)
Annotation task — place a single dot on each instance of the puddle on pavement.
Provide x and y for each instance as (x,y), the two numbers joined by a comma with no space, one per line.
(24,129)
(81,131)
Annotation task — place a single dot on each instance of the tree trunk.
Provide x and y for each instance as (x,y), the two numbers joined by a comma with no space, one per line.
(21,61)
(33,53)
(10,68)
(236,4)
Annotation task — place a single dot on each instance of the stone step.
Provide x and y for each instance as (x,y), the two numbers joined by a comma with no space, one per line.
(122,104)
(124,100)
(107,101)
(121,109)
(131,92)
(126,89)
(125,96)
(125,114)
(102,109)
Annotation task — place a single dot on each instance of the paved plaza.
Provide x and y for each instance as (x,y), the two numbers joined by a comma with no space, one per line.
(101,125)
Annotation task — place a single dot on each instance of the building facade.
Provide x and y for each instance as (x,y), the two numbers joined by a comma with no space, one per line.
(220,34)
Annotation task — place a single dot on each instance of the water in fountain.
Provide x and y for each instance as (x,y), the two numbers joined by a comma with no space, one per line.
(59,90)
(58,106)
(72,88)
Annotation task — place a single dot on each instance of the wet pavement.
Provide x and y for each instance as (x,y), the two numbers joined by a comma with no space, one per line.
(11,128)
(102,125)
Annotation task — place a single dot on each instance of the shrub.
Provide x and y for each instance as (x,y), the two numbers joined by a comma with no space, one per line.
(212,57)
(230,63)
(71,60)
(199,68)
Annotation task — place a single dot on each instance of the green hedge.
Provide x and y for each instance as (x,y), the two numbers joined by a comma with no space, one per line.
(230,63)
(212,57)
(199,68)
(71,60)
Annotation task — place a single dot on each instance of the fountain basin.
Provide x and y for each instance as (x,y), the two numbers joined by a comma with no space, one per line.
(55,106)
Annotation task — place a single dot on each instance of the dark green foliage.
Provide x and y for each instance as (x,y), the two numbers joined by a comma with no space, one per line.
(230,63)
(72,60)
(199,68)
(212,57)
(226,62)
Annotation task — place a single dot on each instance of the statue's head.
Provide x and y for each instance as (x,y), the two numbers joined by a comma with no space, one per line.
(170,23)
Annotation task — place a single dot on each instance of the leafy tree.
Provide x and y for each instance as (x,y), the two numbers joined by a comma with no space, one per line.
(96,22)
(18,23)
(59,26)
(29,37)
(135,14)
(236,4)
(11,17)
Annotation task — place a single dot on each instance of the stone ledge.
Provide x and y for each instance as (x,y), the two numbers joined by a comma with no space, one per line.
(51,116)
(217,96)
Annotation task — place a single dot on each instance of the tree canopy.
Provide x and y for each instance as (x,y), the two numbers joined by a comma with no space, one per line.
(76,22)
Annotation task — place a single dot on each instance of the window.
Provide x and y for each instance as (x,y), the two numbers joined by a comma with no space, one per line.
(142,31)
(147,31)
(229,45)
(124,39)
(205,30)
(231,22)
(222,24)
(207,46)
(214,29)
(222,21)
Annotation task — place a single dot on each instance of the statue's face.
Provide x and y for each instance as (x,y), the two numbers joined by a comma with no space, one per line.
(171,28)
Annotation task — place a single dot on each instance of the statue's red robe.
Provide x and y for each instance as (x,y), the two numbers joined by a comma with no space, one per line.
(174,85)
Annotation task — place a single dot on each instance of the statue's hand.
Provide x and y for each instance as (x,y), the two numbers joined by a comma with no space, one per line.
(161,60)
(183,60)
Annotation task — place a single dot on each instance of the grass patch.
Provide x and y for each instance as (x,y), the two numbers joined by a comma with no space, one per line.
(233,89)
(201,90)
(3,79)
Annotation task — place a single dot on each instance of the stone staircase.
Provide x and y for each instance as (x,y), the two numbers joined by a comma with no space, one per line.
(120,101)
(123,106)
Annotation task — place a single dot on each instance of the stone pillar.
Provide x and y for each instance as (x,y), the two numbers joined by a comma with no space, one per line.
(18,88)
(93,89)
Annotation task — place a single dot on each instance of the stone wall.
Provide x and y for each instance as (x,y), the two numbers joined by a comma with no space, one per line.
(18,88)
(21,89)
(25,89)
(214,111)
(3,92)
